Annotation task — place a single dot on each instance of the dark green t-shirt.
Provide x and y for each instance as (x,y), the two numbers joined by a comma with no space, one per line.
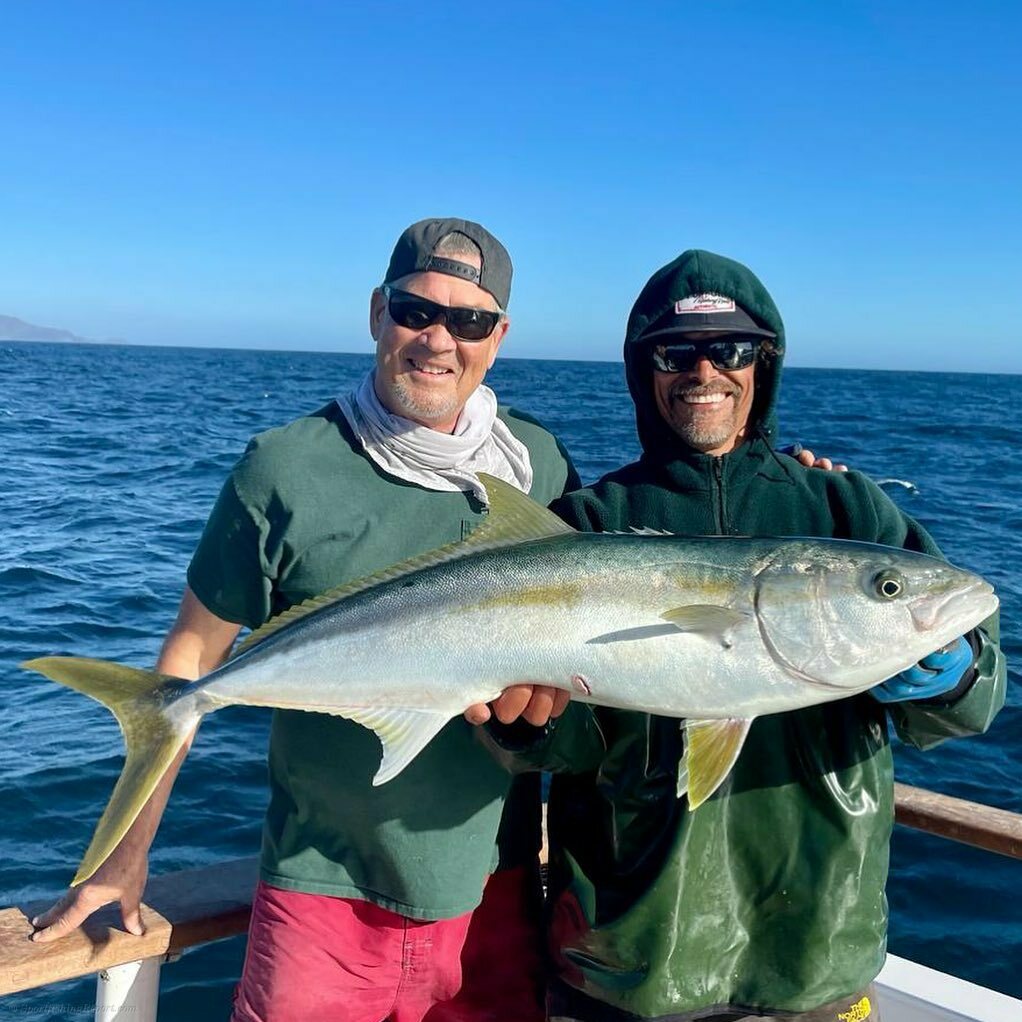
(305,510)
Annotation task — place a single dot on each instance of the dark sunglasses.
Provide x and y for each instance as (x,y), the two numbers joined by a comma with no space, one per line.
(726,355)
(416,313)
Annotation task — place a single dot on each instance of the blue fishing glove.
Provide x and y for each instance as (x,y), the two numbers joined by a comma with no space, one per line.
(935,675)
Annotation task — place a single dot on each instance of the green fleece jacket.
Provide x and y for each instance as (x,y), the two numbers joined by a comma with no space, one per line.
(770,896)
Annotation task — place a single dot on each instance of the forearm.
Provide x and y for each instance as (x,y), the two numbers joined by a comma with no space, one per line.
(186,654)
(198,641)
(139,837)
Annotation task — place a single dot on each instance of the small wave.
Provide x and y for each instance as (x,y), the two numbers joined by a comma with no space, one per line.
(25,575)
(905,484)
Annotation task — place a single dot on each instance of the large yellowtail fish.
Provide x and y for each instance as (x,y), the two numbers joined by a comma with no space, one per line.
(716,631)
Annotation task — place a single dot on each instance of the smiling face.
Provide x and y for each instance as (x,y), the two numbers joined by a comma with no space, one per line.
(707,407)
(427,375)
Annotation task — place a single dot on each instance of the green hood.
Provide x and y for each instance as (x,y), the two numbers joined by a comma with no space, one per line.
(697,272)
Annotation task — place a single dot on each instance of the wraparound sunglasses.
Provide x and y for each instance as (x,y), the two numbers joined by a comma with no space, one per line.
(416,313)
(725,355)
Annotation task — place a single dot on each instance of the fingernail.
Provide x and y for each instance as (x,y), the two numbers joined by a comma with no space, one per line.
(34,920)
(138,931)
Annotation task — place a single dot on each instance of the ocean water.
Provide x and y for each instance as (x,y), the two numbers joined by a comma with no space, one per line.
(110,458)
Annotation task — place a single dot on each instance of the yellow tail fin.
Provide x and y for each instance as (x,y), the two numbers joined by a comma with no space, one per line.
(154,724)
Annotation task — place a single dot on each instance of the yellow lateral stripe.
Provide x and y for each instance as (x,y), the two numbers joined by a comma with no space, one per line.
(564,594)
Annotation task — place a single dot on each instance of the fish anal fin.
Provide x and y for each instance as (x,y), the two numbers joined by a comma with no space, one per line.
(711,749)
(402,733)
(706,620)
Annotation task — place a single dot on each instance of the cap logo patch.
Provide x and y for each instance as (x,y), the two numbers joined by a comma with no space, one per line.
(704,304)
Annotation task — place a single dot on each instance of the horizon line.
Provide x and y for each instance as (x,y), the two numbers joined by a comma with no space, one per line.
(81,343)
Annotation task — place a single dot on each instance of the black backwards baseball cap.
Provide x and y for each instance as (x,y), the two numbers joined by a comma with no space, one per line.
(708,311)
(414,250)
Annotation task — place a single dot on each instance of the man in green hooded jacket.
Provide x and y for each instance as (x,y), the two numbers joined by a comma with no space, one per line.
(769,898)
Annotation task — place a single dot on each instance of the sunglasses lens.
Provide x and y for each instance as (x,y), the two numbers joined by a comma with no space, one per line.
(414,313)
(734,354)
(678,358)
(471,324)
(724,355)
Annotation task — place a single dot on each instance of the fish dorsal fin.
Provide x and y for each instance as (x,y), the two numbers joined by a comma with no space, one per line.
(514,517)
(299,610)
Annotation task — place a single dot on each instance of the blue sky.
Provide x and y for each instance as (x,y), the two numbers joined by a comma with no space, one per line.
(236,173)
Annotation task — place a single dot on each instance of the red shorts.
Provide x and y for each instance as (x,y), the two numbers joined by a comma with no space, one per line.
(314,957)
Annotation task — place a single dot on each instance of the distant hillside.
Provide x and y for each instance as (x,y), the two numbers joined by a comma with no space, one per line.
(12,329)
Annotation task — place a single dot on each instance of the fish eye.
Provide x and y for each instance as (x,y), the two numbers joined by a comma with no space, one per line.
(888,585)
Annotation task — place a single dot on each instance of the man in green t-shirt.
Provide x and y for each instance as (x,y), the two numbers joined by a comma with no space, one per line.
(368,905)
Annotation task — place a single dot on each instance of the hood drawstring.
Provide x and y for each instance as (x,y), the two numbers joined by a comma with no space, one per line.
(760,433)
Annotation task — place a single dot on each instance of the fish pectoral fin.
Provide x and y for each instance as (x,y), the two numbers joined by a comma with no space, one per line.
(402,733)
(711,748)
(706,620)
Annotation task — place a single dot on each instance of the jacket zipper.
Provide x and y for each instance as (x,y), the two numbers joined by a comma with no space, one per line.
(718,476)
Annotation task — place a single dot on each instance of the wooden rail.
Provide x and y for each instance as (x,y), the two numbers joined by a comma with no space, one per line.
(969,823)
(192,907)
(179,911)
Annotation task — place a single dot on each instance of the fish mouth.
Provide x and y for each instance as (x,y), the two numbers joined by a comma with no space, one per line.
(958,611)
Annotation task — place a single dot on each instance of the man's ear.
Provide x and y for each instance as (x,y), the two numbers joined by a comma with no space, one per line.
(377,310)
(495,340)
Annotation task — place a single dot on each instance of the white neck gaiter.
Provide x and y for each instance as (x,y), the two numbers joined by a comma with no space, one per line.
(439,461)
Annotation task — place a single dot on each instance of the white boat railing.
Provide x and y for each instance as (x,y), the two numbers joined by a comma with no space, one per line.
(191,907)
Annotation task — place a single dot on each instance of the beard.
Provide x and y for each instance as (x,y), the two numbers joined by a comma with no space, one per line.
(704,437)
(419,406)
(701,432)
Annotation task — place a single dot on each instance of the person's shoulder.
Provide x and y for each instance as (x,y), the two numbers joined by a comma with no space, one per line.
(851,487)
(860,508)
(296,435)
(285,451)
(617,483)
(553,470)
